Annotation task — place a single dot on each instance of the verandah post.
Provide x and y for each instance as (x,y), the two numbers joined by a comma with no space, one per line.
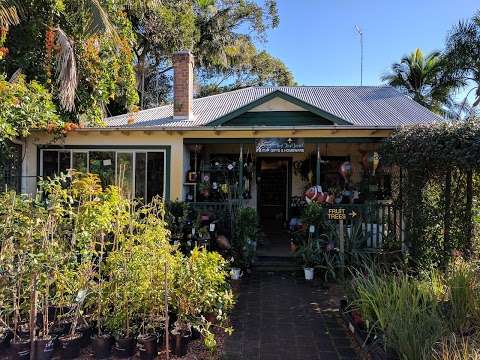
(318,165)
(240,172)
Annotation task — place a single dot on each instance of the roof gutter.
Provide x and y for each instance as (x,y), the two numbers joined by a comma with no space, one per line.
(239,128)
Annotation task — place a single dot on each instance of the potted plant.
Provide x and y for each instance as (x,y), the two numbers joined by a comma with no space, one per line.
(244,242)
(310,252)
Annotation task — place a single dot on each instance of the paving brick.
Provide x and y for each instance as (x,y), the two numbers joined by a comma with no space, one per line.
(281,316)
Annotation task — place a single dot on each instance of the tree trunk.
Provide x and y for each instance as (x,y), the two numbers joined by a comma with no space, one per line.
(447,219)
(469,214)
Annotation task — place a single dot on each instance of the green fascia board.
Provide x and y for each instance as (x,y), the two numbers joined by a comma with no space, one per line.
(278,93)
(278,118)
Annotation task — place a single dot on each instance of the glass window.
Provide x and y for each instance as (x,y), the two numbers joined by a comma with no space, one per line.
(79,161)
(50,163)
(102,163)
(64,161)
(140,174)
(155,174)
(125,173)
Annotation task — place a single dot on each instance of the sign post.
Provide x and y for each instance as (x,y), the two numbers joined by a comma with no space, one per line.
(341,215)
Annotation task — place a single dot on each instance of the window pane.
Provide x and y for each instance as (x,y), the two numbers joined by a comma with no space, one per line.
(102,163)
(155,172)
(50,163)
(80,161)
(140,175)
(125,173)
(64,159)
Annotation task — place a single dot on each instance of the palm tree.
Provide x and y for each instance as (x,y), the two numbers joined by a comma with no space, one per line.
(9,13)
(463,54)
(426,80)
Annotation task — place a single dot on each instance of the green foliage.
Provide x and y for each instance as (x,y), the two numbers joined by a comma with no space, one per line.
(104,61)
(176,217)
(426,79)
(404,309)
(415,314)
(107,258)
(463,53)
(200,289)
(438,187)
(245,237)
(24,106)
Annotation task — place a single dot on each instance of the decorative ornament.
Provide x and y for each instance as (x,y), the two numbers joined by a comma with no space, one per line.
(371,162)
(315,194)
(346,170)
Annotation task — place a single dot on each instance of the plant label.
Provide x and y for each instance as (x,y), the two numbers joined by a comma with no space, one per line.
(212,227)
(311,229)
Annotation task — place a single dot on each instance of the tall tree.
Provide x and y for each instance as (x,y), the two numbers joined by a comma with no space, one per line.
(426,80)
(79,49)
(220,33)
(463,55)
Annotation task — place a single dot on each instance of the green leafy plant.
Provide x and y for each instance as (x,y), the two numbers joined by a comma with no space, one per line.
(245,237)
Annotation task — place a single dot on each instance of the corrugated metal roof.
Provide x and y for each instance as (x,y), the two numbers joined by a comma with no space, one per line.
(358,105)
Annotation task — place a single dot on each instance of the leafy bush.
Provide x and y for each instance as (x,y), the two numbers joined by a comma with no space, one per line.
(412,314)
(105,258)
(245,237)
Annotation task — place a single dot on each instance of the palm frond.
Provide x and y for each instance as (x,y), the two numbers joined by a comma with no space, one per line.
(99,20)
(66,70)
(9,13)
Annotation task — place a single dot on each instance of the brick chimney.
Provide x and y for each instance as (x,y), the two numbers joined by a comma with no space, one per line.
(183,63)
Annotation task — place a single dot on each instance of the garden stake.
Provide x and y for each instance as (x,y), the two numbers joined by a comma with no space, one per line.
(342,248)
(166,313)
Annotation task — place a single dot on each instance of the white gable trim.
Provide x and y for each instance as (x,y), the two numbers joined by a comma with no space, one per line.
(277,104)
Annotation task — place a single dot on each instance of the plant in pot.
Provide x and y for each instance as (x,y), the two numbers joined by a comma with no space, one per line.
(310,253)
(152,263)
(176,218)
(244,242)
(19,233)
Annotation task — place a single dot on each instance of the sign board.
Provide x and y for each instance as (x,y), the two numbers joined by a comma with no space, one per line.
(340,214)
(280,145)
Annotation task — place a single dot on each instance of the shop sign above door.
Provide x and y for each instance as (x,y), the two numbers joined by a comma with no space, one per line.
(280,145)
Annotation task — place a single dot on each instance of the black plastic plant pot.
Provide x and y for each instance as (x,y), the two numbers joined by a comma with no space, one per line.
(5,342)
(86,332)
(102,346)
(124,348)
(43,348)
(147,347)
(180,344)
(70,346)
(20,350)
(195,334)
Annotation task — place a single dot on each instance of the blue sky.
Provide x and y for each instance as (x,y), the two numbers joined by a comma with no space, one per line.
(317,40)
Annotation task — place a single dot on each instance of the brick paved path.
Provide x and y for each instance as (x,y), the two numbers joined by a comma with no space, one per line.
(280,316)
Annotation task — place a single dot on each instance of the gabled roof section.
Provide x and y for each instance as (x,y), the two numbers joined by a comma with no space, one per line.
(379,106)
(285,96)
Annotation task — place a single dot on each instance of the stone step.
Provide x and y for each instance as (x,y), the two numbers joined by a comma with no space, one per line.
(276,264)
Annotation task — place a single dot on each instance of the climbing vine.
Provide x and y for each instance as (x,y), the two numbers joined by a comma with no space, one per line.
(438,188)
